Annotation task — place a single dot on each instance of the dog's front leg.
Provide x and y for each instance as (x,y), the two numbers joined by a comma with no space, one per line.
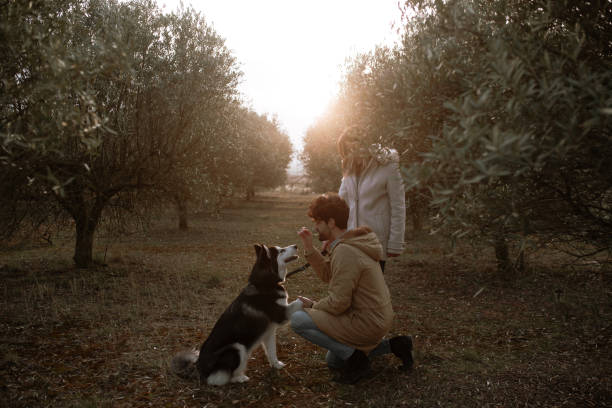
(268,342)
(293,307)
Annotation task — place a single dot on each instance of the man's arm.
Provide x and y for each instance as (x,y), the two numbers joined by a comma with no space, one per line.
(346,272)
(317,261)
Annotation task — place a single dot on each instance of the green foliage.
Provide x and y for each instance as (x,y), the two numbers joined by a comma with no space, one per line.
(501,114)
(524,140)
(111,106)
(320,157)
(46,103)
(45,94)
(265,154)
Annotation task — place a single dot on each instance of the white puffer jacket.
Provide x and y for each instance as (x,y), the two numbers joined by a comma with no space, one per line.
(376,199)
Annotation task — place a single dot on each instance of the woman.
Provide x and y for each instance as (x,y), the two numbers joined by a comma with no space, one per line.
(373,188)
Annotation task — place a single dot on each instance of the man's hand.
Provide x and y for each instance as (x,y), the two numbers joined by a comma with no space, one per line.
(306,236)
(307,302)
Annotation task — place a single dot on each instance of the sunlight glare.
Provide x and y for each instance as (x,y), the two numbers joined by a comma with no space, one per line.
(292,53)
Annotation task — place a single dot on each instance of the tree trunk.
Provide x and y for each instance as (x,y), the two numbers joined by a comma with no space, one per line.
(86,218)
(181,206)
(417,219)
(250,192)
(417,208)
(520,264)
(502,255)
(83,252)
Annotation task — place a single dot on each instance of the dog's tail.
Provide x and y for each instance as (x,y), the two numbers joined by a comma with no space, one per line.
(184,363)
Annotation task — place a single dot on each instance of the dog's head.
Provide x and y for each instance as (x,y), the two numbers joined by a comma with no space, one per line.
(271,265)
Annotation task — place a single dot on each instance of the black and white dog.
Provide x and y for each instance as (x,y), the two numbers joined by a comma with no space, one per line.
(250,320)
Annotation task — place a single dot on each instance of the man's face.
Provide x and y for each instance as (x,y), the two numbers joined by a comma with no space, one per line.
(323,229)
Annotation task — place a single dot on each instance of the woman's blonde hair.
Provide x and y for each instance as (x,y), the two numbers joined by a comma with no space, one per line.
(351,162)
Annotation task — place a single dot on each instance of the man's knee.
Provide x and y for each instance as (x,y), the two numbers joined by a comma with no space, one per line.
(299,320)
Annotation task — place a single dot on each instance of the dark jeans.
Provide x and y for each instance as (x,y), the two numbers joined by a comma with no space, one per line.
(382,265)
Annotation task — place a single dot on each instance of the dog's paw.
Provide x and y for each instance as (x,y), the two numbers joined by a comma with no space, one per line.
(240,379)
(278,365)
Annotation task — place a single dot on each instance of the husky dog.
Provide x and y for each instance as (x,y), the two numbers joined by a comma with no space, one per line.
(250,320)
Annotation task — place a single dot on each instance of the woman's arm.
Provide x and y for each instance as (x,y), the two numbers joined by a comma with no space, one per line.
(397,201)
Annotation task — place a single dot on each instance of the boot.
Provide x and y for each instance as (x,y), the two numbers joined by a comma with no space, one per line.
(401,346)
(356,368)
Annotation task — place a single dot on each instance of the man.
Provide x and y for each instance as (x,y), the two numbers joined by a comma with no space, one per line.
(355,316)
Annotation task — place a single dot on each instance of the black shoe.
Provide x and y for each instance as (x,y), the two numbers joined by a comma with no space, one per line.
(401,346)
(357,367)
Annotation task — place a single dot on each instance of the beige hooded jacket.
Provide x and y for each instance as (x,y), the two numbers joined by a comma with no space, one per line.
(357,310)
(376,199)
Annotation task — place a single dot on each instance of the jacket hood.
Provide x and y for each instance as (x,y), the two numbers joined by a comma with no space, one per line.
(383,155)
(364,239)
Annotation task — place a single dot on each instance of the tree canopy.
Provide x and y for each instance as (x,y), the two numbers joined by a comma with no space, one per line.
(501,111)
(111,106)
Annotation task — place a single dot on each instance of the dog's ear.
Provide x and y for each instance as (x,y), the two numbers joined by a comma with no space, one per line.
(260,250)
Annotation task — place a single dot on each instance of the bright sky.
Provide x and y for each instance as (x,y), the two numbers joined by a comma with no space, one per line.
(292,51)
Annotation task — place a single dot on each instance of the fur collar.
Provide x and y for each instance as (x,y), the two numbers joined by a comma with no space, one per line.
(383,155)
(364,239)
(357,232)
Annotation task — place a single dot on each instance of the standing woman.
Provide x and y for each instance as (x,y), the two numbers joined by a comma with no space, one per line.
(373,188)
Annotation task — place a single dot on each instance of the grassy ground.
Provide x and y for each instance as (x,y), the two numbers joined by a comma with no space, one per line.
(104,337)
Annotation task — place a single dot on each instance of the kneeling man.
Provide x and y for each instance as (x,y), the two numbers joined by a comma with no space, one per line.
(353,319)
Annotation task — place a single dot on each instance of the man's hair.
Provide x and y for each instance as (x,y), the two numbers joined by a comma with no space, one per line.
(329,205)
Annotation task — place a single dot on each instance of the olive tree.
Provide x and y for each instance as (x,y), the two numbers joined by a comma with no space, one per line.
(523,142)
(320,157)
(501,113)
(110,107)
(265,153)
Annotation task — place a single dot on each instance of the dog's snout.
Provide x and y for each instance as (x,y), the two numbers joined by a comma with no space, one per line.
(295,246)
